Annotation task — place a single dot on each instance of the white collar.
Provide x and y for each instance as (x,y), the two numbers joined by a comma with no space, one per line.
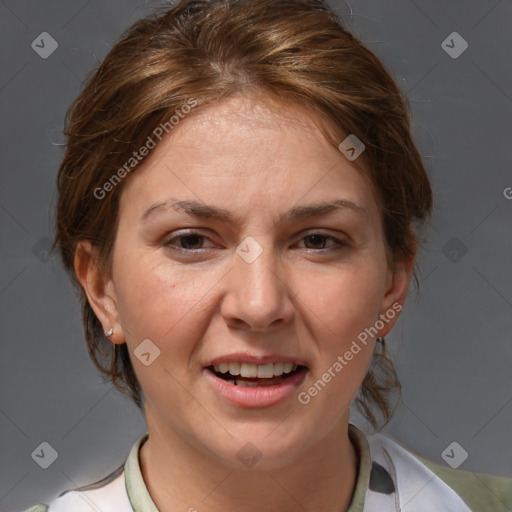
(401,484)
(417,488)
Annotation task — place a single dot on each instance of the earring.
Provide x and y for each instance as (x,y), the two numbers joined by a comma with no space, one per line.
(382,341)
(109,332)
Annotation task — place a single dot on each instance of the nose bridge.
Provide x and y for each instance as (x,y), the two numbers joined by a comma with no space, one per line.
(261,273)
(258,292)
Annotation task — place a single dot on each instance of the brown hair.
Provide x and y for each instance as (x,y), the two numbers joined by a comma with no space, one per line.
(205,50)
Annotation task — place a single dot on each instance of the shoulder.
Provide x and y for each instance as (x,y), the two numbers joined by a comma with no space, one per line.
(480,491)
(107,495)
(422,481)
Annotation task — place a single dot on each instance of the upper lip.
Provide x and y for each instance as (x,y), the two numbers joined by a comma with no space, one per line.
(254,359)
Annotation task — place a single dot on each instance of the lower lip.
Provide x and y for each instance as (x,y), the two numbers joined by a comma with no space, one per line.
(258,396)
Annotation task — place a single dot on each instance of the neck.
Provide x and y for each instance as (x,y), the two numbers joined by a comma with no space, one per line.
(180,477)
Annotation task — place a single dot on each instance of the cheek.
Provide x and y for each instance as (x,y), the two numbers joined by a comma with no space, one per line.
(341,308)
(339,312)
(156,298)
(167,306)
(344,302)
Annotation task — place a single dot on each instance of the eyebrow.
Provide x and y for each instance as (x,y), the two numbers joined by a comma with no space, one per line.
(205,211)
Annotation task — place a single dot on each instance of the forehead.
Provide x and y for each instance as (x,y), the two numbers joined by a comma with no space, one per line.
(246,147)
(261,127)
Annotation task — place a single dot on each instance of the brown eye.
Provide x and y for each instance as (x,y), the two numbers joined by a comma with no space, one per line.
(318,241)
(187,241)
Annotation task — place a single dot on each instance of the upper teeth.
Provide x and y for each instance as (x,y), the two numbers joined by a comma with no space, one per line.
(262,371)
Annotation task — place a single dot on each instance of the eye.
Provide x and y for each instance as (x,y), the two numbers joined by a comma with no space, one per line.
(189,241)
(317,241)
(193,241)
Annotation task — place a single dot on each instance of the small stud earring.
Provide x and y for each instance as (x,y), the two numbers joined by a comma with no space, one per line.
(109,332)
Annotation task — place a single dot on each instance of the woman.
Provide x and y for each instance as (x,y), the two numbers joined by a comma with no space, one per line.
(237,207)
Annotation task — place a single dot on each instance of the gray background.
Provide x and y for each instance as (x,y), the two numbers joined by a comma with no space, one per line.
(452,345)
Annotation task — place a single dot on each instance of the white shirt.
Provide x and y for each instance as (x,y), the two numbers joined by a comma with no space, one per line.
(390,479)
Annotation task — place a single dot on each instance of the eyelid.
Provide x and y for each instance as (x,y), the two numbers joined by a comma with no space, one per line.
(183,233)
(340,242)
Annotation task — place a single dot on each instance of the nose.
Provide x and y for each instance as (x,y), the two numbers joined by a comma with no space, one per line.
(259,295)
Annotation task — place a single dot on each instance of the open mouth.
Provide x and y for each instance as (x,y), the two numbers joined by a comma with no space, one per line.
(251,375)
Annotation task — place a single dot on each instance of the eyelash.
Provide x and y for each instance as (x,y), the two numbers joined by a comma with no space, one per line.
(340,244)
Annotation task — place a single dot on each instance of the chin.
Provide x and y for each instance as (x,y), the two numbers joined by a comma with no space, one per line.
(260,448)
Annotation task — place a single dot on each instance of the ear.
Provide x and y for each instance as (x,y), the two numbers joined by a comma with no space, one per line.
(398,280)
(99,289)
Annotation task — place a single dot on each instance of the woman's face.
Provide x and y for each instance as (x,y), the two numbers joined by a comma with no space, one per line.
(250,270)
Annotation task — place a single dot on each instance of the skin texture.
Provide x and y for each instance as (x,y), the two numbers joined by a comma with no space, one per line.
(257,159)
